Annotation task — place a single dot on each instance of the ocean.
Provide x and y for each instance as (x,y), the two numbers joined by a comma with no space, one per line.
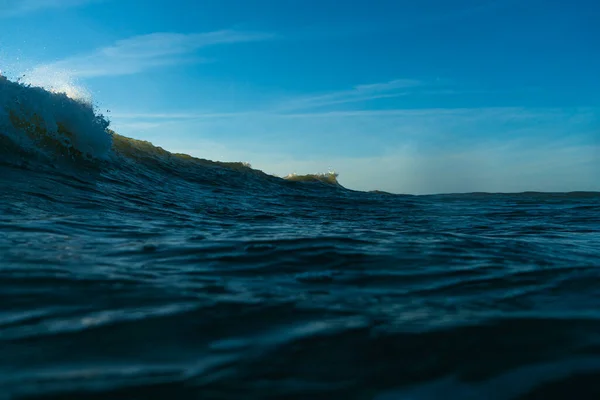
(128,272)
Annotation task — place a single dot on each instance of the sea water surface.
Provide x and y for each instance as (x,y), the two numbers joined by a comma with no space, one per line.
(127,272)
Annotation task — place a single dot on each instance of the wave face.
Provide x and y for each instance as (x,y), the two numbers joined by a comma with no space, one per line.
(129,272)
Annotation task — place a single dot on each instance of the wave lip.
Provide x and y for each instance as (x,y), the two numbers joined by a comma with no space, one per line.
(52,123)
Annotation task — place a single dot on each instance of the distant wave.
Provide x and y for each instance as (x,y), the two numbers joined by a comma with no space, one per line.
(55,128)
(329,178)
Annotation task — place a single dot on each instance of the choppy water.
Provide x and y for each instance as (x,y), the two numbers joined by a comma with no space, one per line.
(130,273)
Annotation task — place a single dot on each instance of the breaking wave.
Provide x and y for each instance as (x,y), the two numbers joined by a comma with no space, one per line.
(51,124)
(59,127)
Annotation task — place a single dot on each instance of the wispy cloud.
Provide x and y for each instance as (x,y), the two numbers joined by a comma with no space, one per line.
(177,115)
(505,114)
(301,106)
(140,53)
(11,8)
(359,93)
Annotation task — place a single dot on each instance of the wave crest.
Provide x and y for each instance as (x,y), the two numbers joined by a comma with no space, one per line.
(329,178)
(52,123)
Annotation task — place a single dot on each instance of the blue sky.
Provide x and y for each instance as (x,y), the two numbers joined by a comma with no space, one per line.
(407,96)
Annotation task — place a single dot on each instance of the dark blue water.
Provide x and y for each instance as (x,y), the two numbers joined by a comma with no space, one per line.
(151,276)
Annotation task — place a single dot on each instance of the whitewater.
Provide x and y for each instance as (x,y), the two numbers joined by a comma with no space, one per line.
(129,272)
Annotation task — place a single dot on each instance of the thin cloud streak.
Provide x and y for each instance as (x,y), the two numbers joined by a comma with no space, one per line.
(182,116)
(332,114)
(482,112)
(286,107)
(510,113)
(360,93)
(139,53)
